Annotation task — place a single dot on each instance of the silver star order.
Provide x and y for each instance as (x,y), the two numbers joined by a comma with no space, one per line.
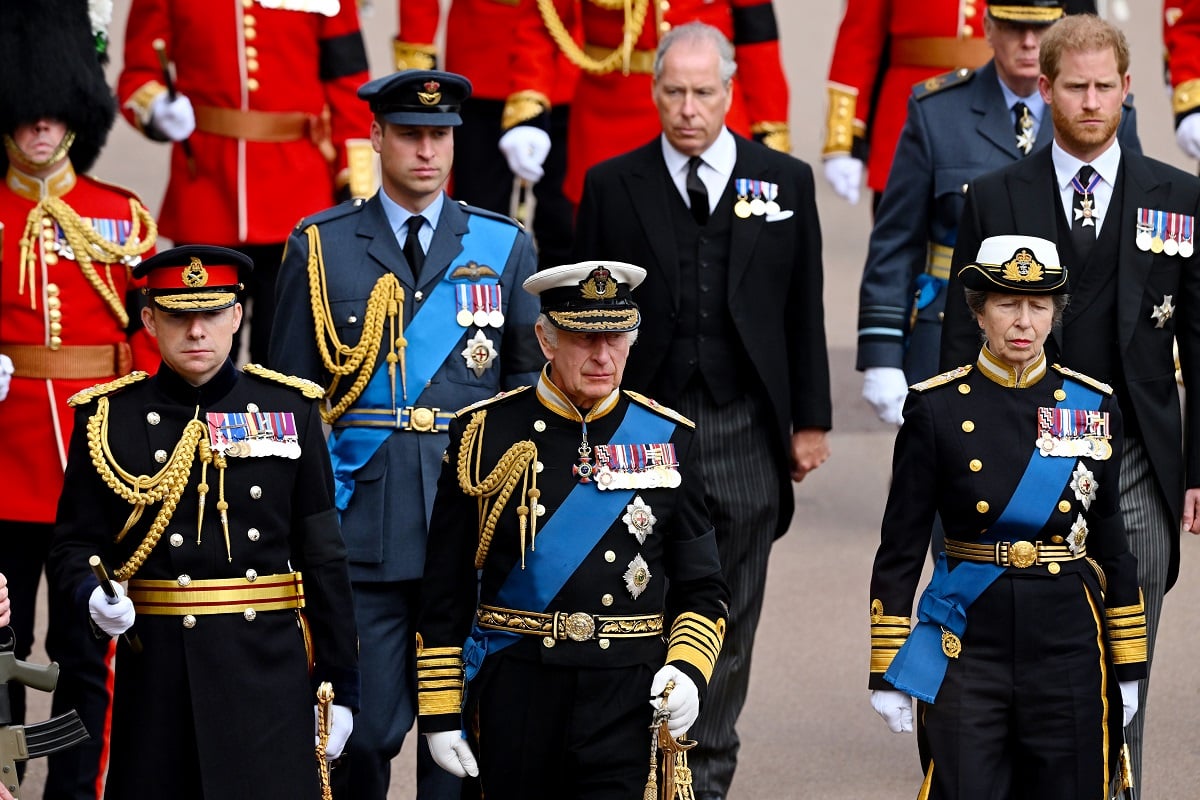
(1083,483)
(637,576)
(1078,535)
(1163,312)
(1025,141)
(1085,213)
(640,519)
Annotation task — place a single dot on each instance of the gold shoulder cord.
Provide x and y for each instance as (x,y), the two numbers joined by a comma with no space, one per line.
(494,491)
(635,18)
(87,246)
(166,485)
(386,301)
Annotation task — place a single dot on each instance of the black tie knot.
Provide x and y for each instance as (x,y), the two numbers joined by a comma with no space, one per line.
(1086,173)
(697,191)
(412,245)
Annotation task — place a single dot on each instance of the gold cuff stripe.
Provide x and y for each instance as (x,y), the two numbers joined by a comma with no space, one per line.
(881,660)
(839,122)
(522,107)
(445,652)
(140,101)
(696,640)
(441,702)
(413,56)
(1186,97)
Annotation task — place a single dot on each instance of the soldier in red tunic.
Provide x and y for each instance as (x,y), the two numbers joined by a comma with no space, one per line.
(261,107)
(1181,37)
(69,244)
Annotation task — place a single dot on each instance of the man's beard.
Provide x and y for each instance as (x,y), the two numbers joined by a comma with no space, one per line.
(1076,138)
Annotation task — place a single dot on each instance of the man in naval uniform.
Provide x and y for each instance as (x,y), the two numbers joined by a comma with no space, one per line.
(581,507)
(404,307)
(209,490)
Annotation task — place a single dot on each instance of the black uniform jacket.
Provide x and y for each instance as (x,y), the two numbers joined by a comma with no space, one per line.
(231,694)
(679,551)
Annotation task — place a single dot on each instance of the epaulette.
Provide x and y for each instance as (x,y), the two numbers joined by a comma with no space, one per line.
(487,401)
(943,379)
(335,212)
(483,212)
(309,389)
(654,405)
(1099,386)
(931,86)
(101,389)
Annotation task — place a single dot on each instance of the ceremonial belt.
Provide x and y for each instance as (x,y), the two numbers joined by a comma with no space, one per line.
(432,335)
(920,665)
(940,257)
(641,62)
(940,52)
(578,626)
(257,126)
(564,541)
(409,418)
(1020,554)
(69,362)
(218,596)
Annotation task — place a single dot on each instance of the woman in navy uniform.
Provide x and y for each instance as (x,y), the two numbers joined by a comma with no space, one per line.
(1031,635)
(209,489)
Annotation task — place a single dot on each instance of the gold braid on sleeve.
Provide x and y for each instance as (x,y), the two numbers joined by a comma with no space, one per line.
(385,303)
(494,491)
(635,17)
(166,485)
(87,247)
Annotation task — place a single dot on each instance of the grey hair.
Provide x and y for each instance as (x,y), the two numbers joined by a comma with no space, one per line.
(697,32)
(551,332)
(977,297)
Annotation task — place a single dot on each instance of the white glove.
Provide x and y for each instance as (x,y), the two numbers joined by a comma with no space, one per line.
(113,619)
(683,704)
(452,753)
(895,708)
(1187,135)
(341,723)
(886,388)
(174,119)
(844,174)
(6,371)
(1129,699)
(526,148)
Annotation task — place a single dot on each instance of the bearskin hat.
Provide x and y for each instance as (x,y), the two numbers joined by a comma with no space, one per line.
(49,67)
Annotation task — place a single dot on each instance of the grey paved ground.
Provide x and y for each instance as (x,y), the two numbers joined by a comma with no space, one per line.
(808,730)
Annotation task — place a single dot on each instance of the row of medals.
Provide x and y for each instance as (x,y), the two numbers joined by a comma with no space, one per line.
(746,207)
(480,318)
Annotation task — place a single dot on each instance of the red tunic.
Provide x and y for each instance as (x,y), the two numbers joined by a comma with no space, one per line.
(614,113)
(937,30)
(56,300)
(1181,38)
(235,54)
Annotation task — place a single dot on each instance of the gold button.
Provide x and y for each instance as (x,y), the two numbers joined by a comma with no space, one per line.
(964,389)
(967,31)
(252,84)
(976,465)
(539,425)
(252,534)
(250,614)
(55,315)
(55,342)
(184,580)
(664,5)
(160,456)
(1056,539)
(610,556)
(1064,506)
(189,621)
(252,408)
(153,418)
(252,65)
(1053,567)
(55,328)
(982,506)
(548,641)
(249,21)
(176,540)
(52,290)
(538,466)
(251,575)
(47,222)
(606,600)
(250,34)
(53,302)
(968,426)
(50,258)
(1059,394)
(256,492)
(664,26)
(251,51)
(604,644)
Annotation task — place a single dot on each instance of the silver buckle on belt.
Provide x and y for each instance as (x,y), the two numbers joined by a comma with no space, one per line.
(578,627)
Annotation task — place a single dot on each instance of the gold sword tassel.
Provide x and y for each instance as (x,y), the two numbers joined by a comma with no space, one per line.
(324,724)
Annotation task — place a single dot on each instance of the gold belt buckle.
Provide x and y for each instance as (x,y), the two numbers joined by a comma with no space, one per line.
(579,627)
(421,419)
(1022,554)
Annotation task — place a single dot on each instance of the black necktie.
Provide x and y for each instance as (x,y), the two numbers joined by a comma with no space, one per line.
(697,192)
(1083,222)
(1023,127)
(412,245)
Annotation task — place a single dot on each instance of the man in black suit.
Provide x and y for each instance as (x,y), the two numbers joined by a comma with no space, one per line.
(733,330)
(1125,225)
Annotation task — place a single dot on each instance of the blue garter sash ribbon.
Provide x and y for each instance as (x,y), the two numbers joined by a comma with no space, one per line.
(920,666)
(432,335)
(564,541)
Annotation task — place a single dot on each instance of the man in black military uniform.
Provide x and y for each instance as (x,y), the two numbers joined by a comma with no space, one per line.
(581,505)
(209,490)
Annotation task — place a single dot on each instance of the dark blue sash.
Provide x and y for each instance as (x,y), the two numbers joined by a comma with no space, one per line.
(564,541)
(920,665)
(432,335)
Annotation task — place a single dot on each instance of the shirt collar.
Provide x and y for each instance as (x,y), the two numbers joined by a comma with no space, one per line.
(553,398)
(720,155)
(175,387)
(1066,166)
(397,215)
(1005,374)
(58,183)
(1033,102)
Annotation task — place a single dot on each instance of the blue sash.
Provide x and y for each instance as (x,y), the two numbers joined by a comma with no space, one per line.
(564,541)
(432,335)
(920,665)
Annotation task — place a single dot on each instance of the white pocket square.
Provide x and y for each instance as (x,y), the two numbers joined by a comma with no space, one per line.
(782,215)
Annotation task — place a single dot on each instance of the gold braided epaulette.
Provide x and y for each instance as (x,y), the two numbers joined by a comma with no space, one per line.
(658,407)
(309,389)
(101,389)
(487,401)
(943,379)
(937,83)
(1099,386)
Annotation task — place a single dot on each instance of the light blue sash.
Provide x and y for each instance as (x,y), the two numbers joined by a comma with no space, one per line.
(920,665)
(432,335)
